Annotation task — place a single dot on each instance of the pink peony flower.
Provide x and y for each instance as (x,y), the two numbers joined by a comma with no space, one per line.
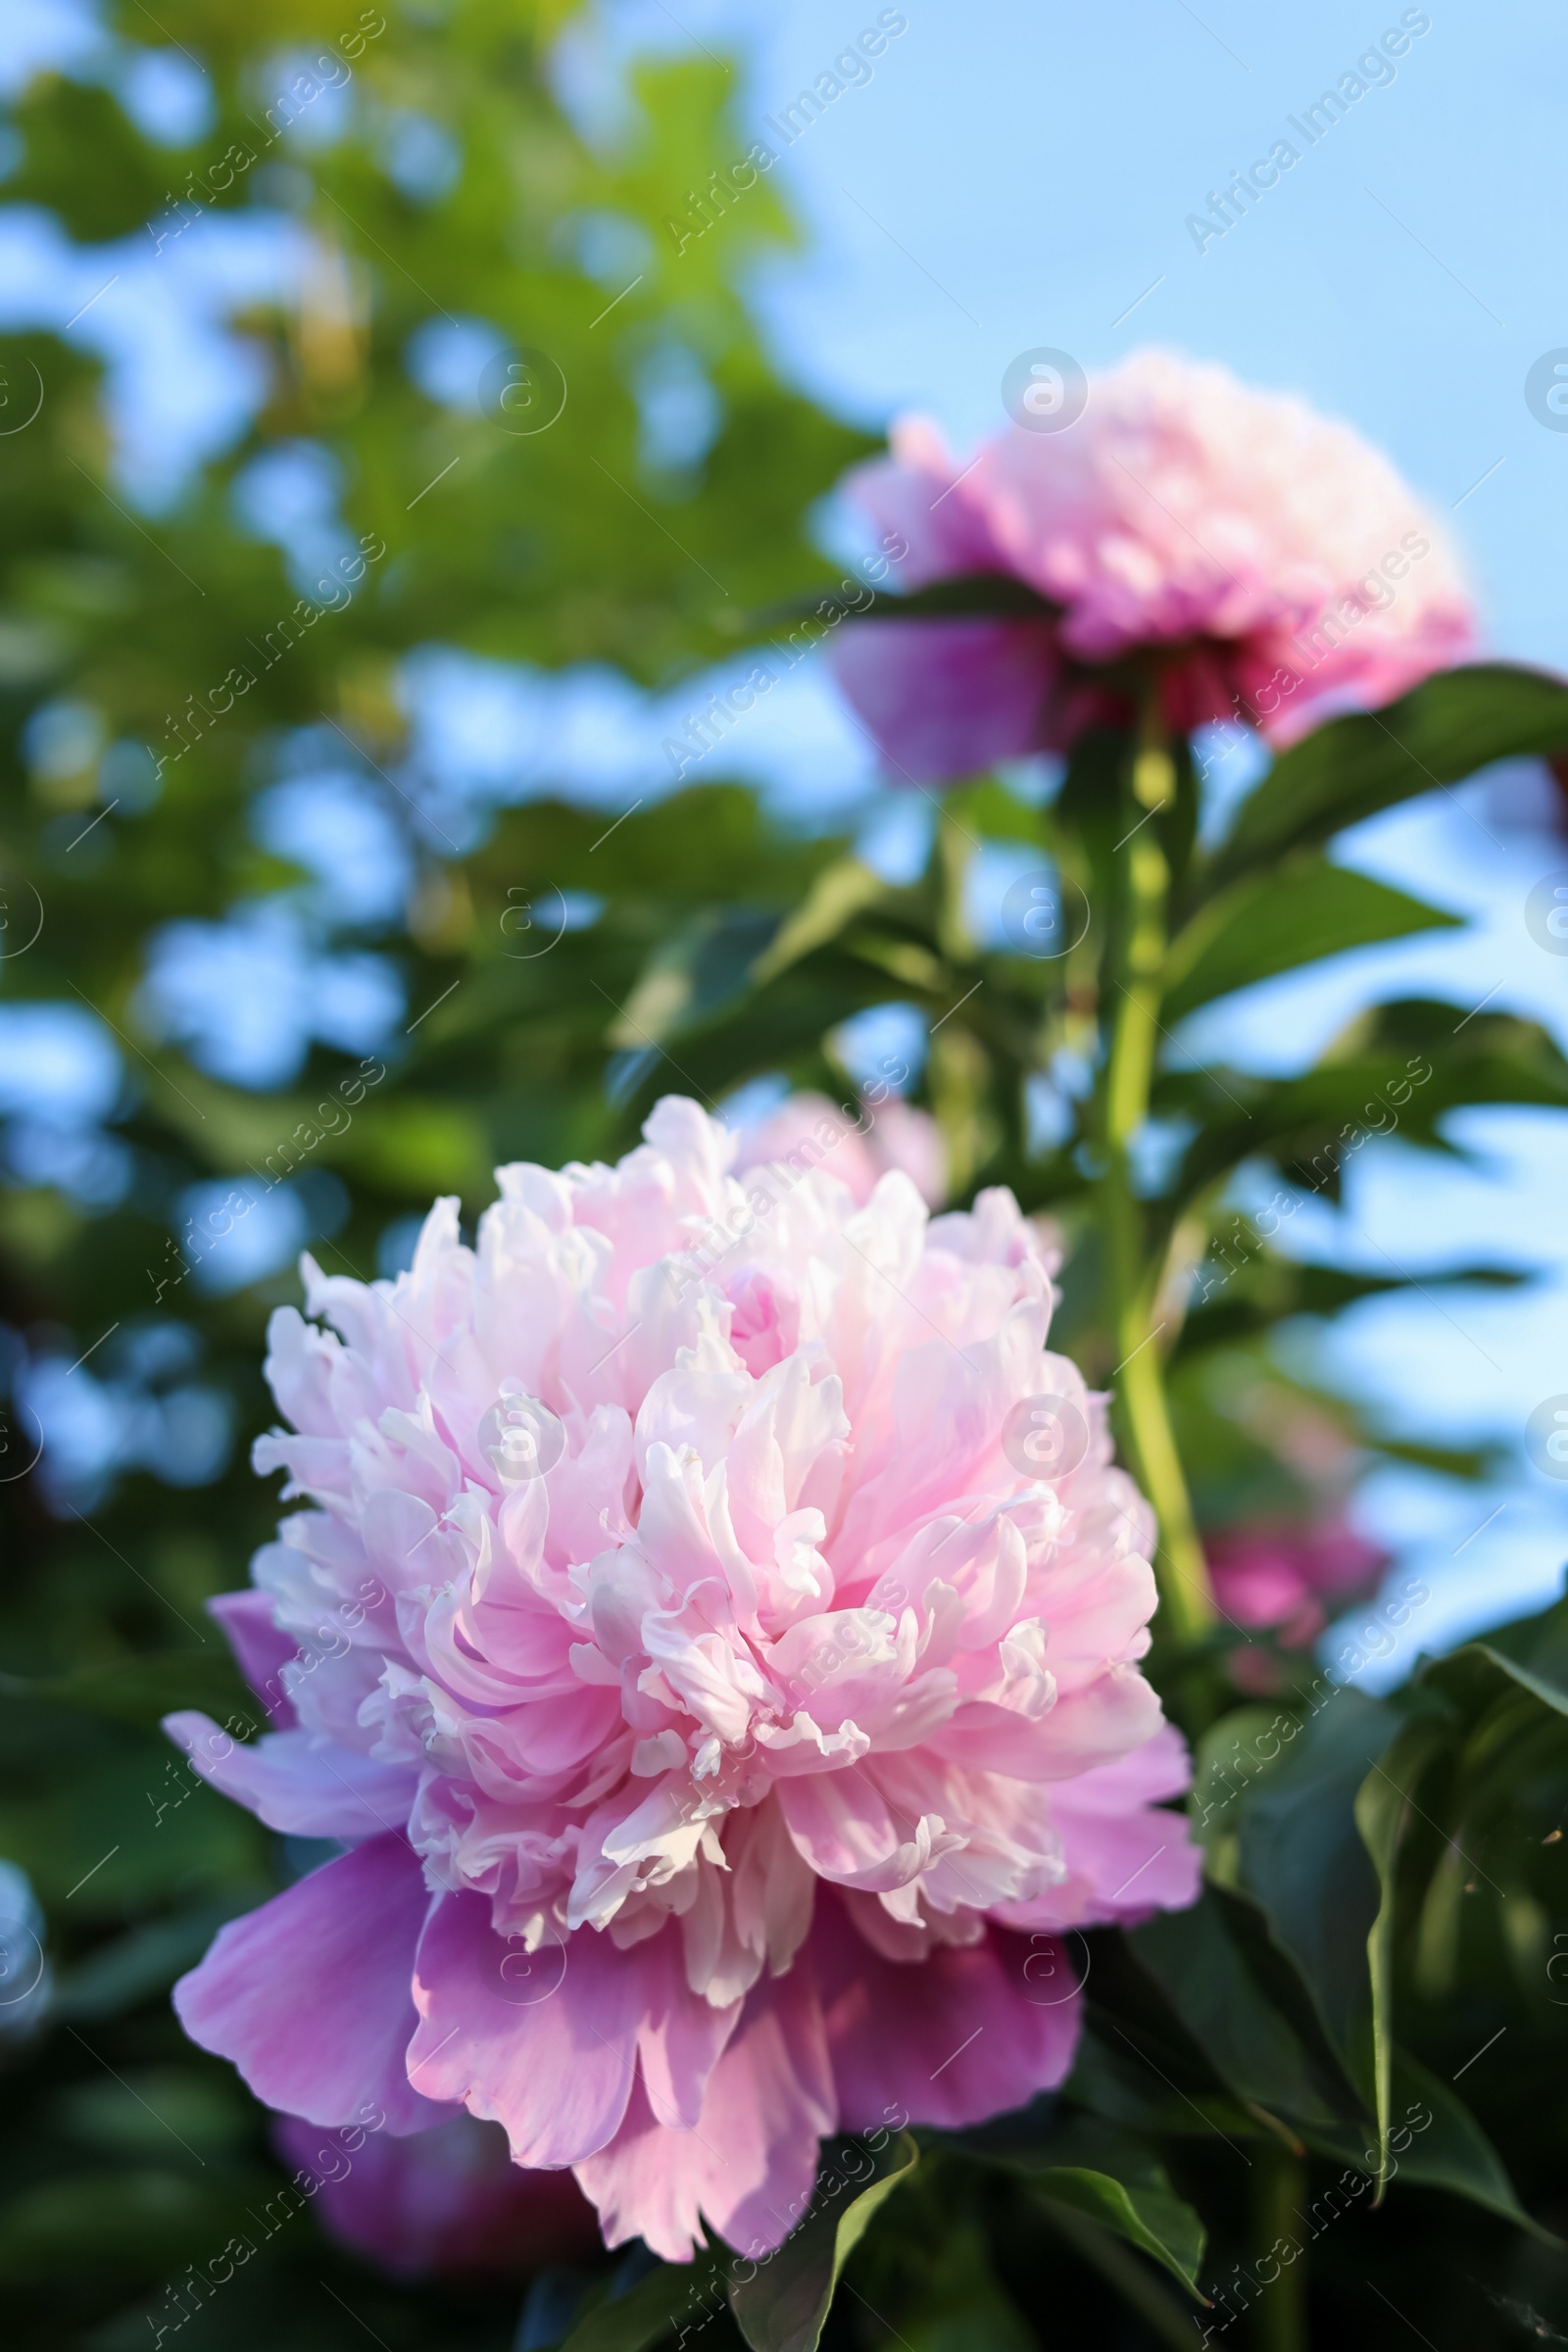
(858,1143)
(722,1727)
(1278,559)
(1284,1574)
(449,2199)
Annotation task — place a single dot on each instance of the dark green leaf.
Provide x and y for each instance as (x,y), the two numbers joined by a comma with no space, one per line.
(1383,1808)
(1154,2220)
(1406,1066)
(1195,1958)
(1539,1644)
(783,2306)
(962,2303)
(673,2295)
(1097,2171)
(839,893)
(1443,731)
(968,594)
(1112,2079)
(1303,1858)
(1452,2151)
(1271,924)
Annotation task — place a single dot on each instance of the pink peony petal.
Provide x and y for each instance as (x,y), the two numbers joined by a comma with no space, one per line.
(749,2162)
(261,1648)
(681,2036)
(541,2042)
(309,1996)
(1126,1854)
(297,1784)
(946,2041)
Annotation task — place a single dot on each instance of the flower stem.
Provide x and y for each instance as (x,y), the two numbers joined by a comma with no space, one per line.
(1138,956)
(1279,2316)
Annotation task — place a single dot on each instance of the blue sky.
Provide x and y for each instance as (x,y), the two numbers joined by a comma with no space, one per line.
(1019,175)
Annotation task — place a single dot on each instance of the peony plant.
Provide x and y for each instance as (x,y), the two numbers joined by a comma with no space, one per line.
(730,1649)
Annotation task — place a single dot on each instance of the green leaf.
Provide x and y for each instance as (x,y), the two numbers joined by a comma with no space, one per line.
(1271,924)
(841,892)
(1434,2141)
(705,966)
(1547,1688)
(783,2306)
(1267,1288)
(1374,1084)
(1383,1809)
(674,2294)
(962,2303)
(1443,731)
(1303,1858)
(1538,1641)
(1451,2152)
(1154,2220)
(1112,2081)
(1097,2170)
(1195,1958)
(973,595)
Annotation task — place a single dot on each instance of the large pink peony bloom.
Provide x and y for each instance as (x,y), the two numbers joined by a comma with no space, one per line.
(1280,563)
(722,1728)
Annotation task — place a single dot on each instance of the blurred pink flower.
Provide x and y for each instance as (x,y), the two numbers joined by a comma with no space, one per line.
(449,2199)
(1278,559)
(1288,1576)
(895,1135)
(723,1712)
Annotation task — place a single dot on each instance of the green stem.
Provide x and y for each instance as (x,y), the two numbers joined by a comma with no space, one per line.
(1279,2316)
(1185,1594)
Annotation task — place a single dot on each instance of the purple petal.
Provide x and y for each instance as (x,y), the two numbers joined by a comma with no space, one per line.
(297,1782)
(311,1996)
(951,2039)
(262,1648)
(946,698)
(544,2043)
